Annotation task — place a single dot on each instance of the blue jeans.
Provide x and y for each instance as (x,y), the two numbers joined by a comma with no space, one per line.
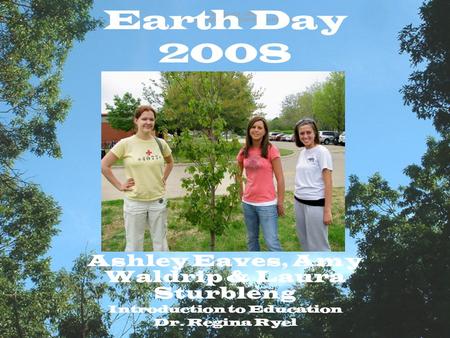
(267,217)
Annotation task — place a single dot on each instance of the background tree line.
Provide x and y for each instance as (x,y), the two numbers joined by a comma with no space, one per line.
(325,102)
(400,289)
(230,97)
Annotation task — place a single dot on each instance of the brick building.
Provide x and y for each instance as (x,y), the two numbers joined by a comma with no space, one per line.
(111,136)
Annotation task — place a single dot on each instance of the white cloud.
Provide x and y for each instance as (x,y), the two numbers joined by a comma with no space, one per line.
(118,83)
(278,85)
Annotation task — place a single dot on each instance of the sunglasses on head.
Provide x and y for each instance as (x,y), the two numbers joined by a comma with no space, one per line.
(306,120)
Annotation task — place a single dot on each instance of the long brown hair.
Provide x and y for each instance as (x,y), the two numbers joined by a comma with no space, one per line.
(265,140)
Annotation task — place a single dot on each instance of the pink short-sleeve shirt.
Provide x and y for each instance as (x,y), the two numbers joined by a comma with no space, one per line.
(259,187)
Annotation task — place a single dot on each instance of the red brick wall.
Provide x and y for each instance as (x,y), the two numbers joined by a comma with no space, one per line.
(110,134)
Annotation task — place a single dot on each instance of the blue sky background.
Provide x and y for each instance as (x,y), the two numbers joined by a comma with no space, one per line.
(382,134)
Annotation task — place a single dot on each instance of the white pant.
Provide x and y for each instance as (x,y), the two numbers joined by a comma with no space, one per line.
(137,216)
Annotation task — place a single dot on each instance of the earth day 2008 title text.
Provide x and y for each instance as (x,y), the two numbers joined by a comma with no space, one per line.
(217,19)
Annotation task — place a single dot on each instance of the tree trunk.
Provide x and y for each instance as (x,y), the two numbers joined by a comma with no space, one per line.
(212,242)
(82,319)
(17,318)
(213,207)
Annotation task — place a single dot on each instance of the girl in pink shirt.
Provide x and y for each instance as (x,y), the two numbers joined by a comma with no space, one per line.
(261,203)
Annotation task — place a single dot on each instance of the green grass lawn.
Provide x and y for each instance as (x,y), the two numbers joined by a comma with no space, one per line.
(285,152)
(182,236)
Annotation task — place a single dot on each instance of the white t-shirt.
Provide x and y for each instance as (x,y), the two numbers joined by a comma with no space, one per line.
(309,184)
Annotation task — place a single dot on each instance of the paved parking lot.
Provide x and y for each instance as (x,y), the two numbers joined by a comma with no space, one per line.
(289,162)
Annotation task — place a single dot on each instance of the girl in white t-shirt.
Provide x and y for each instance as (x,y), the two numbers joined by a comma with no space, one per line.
(313,188)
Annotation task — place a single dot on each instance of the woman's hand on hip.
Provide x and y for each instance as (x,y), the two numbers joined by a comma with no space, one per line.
(128,185)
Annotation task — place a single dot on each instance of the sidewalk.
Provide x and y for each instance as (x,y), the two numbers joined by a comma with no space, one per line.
(173,188)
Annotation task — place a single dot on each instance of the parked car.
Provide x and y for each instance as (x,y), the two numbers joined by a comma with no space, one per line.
(279,137)
(342,139)
(288,138)
(328,137)
(273,135)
